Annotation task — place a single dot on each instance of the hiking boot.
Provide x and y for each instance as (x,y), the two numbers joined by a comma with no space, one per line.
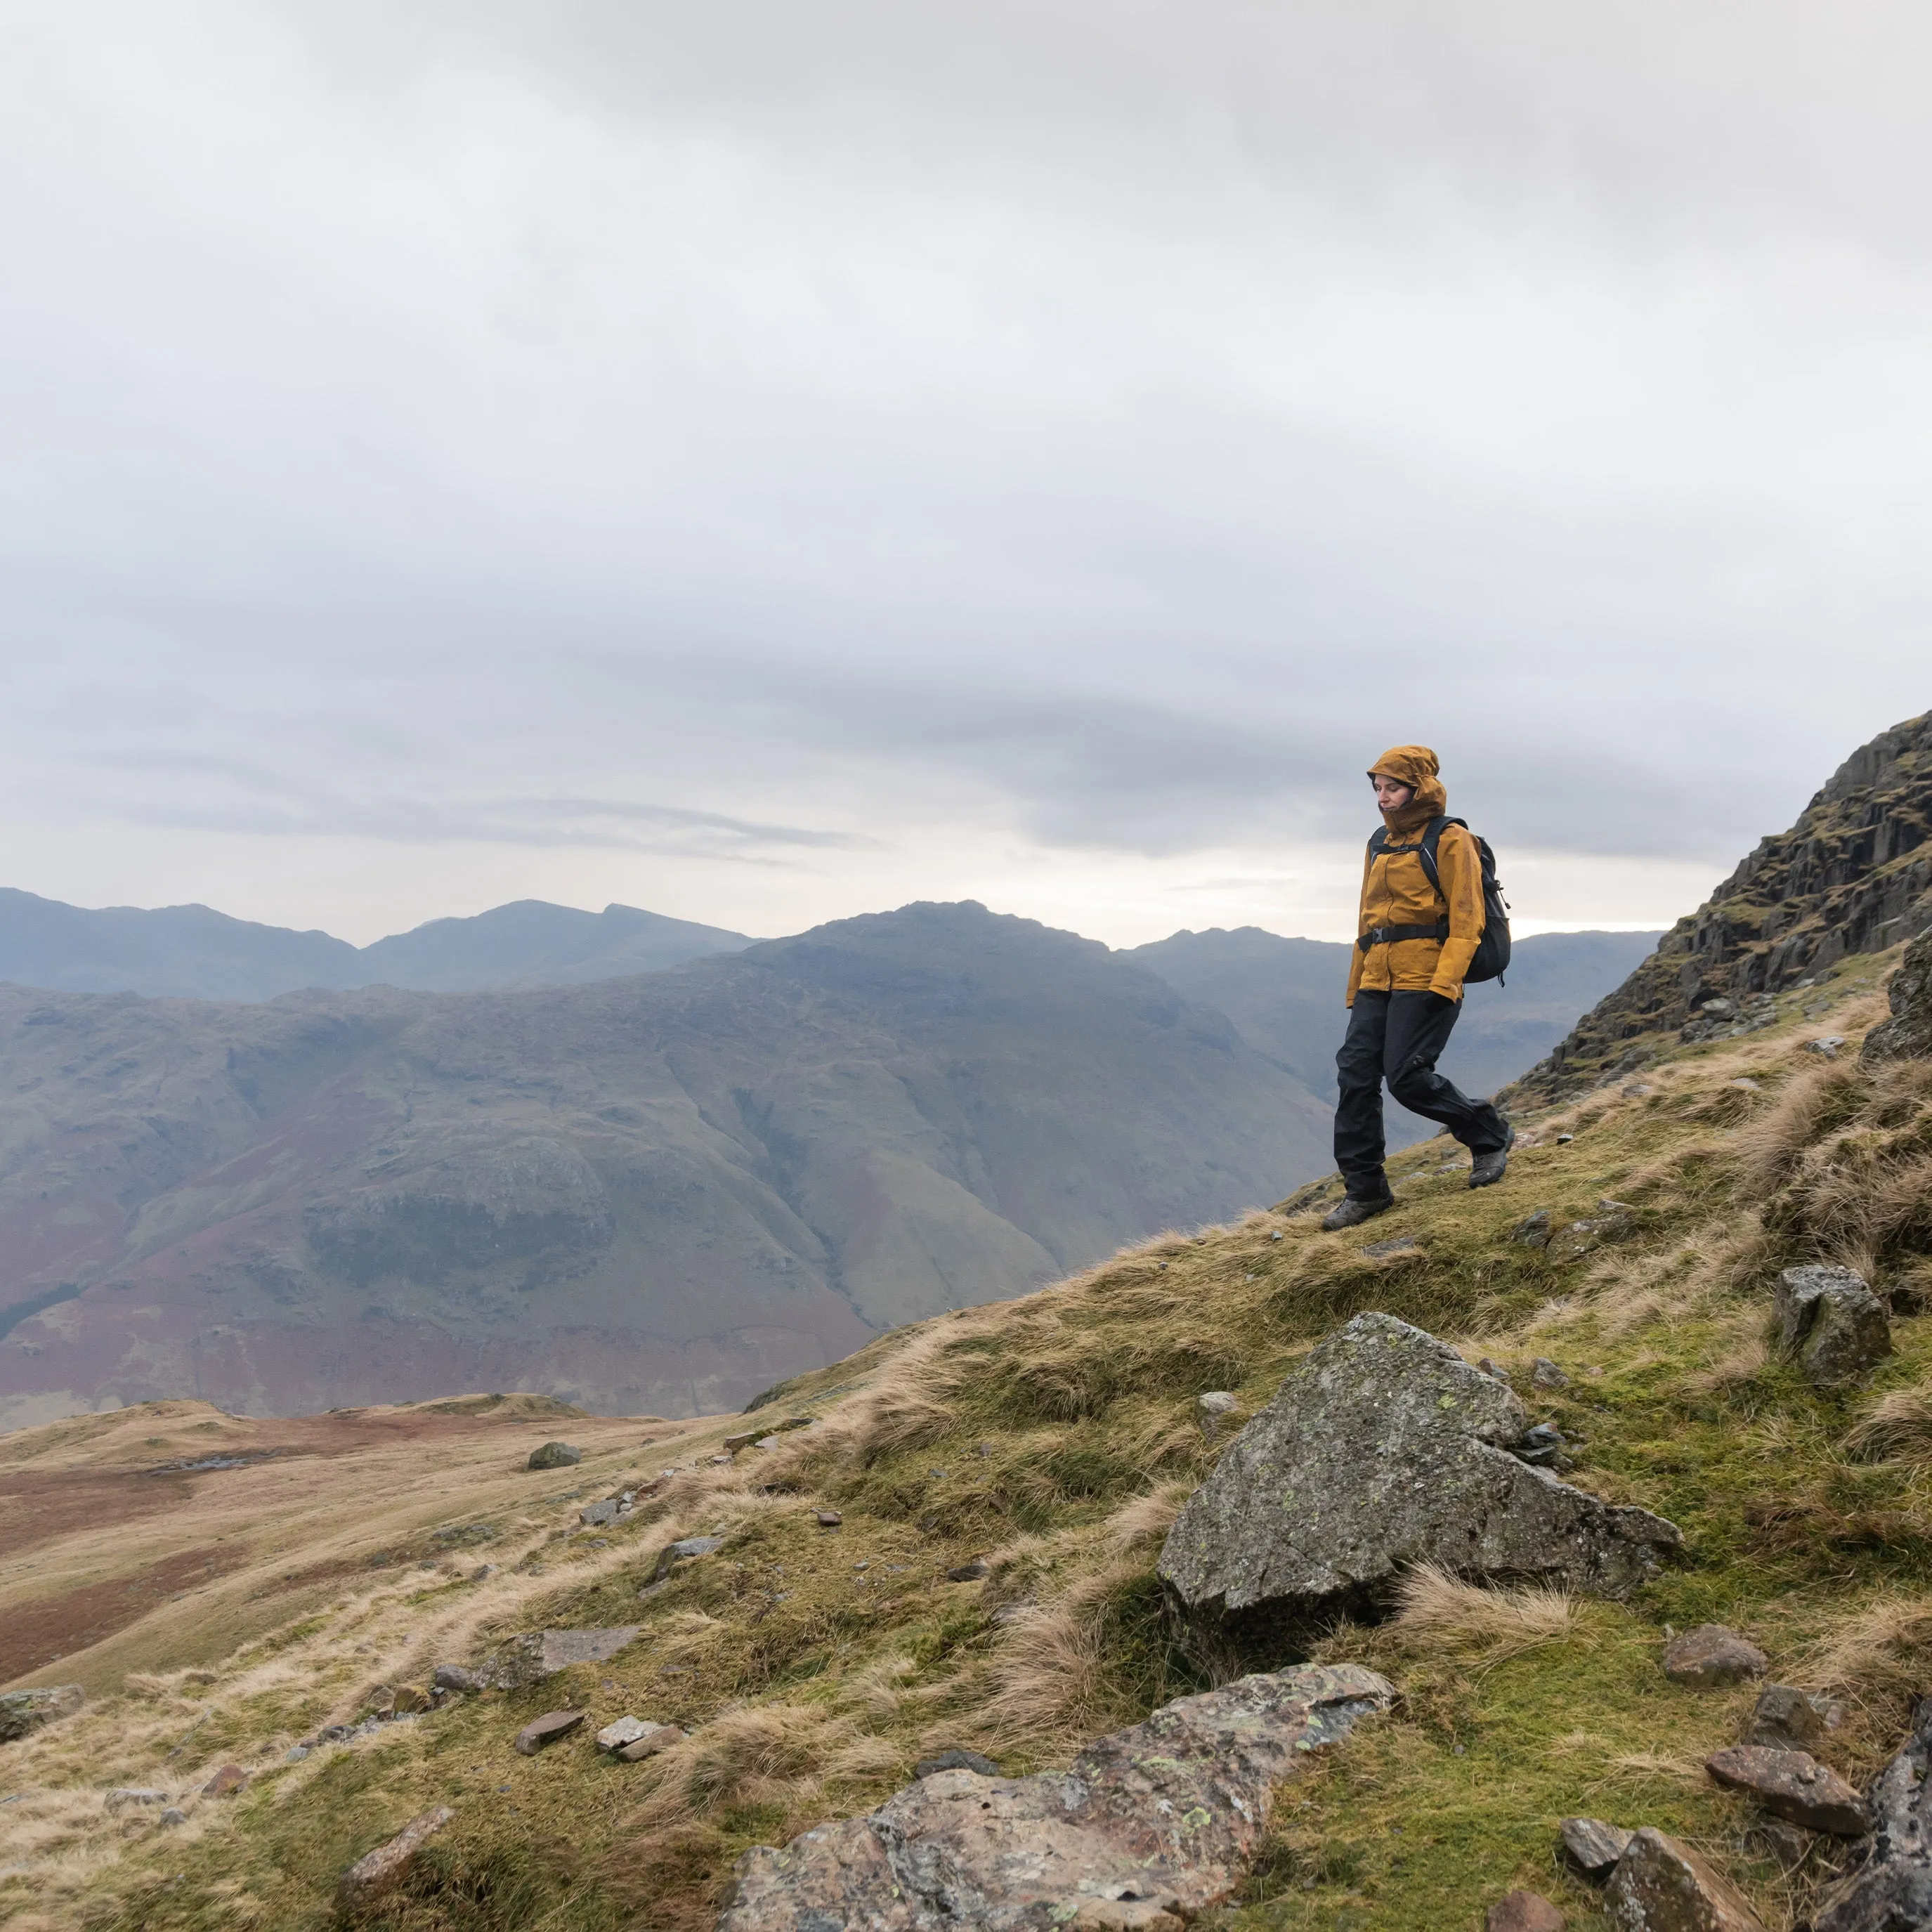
(1489,1168)
(1353,1212)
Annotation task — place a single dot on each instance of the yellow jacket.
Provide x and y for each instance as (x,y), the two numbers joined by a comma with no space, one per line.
(1396,891)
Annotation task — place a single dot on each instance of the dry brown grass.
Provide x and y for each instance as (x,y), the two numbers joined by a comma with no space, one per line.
(1895,1427)
(753,1753)
(1047,1681)
(1435,1610)
(1770,1147)
(1883,1648)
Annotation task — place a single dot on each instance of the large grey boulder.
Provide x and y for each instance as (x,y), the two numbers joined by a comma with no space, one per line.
(536,1654)
(1832,1323)
(1382,1449)
(1907,1035)
(1889,1888)
(21,1711)
(1147,1829)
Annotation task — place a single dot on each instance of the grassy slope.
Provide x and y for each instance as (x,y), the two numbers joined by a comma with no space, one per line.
(1056,1435)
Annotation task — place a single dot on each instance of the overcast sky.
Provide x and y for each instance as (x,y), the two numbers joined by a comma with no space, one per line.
(764,462)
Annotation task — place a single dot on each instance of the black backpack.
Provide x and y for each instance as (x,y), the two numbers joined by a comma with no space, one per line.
(1493,950)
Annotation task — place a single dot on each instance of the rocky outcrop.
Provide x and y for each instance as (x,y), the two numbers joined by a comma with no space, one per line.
(1660,1885)
(1853,875)
(21,1711)
(1794,1786)
(1382,1449)
(1889,1888)
(372,1876)
(536,1654)
(1146,1829)
(1907,1035)
(1832,1323)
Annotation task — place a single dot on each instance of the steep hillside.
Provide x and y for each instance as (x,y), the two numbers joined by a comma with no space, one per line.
(813,1663)
(655,1194)
(192,952)
(1285,996)
(1853,876)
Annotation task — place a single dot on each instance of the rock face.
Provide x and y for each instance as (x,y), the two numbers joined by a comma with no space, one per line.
(1793,1785)
(21,1711)
(1890,1888)
(373,1874)
(1384,1449)
(1660,1885)
(1834,1325)
(530,1658)
(1147,1828)
(1710,1656)
(1853,875)
(1907,1035)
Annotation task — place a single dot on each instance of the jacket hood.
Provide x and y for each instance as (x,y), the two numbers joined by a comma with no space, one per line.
(1414,766)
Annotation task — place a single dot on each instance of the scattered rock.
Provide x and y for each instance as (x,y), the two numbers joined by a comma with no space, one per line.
(536,1654)
(1383,1448)
(1403,1245)
(1711,1655)
(454,1677)
(372,1875)
(1072,1847)
(21,1711)
(1745,1085)
(1544,1374)
(596,1515)
(1907,1035)
(655,1738)
(1827,1047)
(1211,1410)
(683,1551)
(482,1570)
(546,1730)
(1613,1221)
(1523,1912)
(1533,1230)
(1489,1368)
(1785,1720)
(829,1519)
(1660,1885)
(1542,1447)
(625,1731)
(1832,1322)
(174,1815)
(969,1573)
(733,1443)
(955,1758)
(295,1753)
(554,1456)
(1889,1888)
(1593,1845)
(725,1458)
(1792,1784)
(123,1795)
(226,1782)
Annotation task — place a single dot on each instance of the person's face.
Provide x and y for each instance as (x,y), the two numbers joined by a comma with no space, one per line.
(1389,795)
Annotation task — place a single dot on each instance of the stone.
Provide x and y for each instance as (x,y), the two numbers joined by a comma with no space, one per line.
(123,1795)
(554,1456)
(1826,1047)
(625,1731)
(1542,1447)
(1382,1449)
(546,1730)
(655,1738)
(829,1519)
(1563,1140)
(1534,1230)
(454,1677)
(1710,1656)
(969,1573)
(683,1551)
(226,1782)
(1544,1374)
(1593,1845)
(1613,1221)
(1402,1246)
(174,1815)
(536,1654)
(1888,1888)
(1523,1912)
(1785,1720)
(1792,1785)
(1907,1035)
(596,1515)
(373,1874)
(1834,1325)
(1146,1829)
(1660,1886)
(1211,1410)
(955,1759)
(23,1711)
(296,1753)
(733,1443)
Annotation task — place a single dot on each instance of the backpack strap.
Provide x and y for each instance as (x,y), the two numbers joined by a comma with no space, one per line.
(1432,837)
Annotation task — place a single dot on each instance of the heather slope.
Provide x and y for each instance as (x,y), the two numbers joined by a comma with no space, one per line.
(1053,1437)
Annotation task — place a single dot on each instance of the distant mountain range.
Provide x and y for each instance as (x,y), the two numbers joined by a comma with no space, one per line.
(659,1193)
(193,953)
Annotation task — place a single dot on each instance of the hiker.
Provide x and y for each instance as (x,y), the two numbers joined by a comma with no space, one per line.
(1405,988)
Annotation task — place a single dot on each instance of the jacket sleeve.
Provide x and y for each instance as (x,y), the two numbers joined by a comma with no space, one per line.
(1459,867)
(1357,957)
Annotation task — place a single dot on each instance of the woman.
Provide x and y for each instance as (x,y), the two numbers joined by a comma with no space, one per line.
(1405,989)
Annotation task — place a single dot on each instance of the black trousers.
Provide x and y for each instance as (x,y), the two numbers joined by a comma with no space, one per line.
(1399,1037)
